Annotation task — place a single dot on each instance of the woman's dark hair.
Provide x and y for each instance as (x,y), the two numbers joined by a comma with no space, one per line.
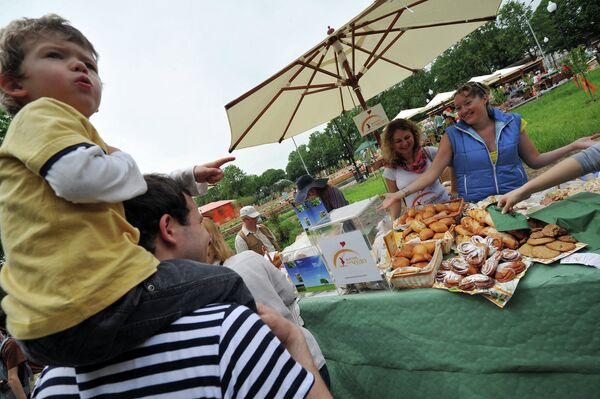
(163,196)
(476,89)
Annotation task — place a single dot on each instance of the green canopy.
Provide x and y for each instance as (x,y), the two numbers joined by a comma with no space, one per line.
(364,145)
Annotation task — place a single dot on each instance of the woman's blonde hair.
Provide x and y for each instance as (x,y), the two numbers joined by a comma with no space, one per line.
(387,140)
(218,248)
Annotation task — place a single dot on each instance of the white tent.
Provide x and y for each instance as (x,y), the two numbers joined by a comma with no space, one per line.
(408,113)
(439,99)
(486,79)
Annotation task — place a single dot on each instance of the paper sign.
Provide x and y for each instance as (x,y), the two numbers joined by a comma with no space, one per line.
(311,212)
(370,120)
(349,258)
(309,274)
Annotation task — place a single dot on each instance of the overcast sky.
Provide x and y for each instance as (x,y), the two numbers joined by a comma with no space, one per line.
(170,66)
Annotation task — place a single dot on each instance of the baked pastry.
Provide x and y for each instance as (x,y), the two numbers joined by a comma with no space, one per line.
(467,285)
(420,258)
(543,252)
(561,246)
(505,275)
(476,257)
(465,248)
(567,238)
(481,216)
(453,206)
(462,231)
(452,279)
(525,250)
(510,255)
(417,225)
(430,247)
(441,275)
(400,262)
(406,251)
(459,266)
(537,234)
(494,243)
(540,241)
(445,265)
(508,240)
(459,239)
(472,225)
(488,231)
(439,236)
(438,227)
(473,270)
(420,265)
(553,230)
(490,265)
(426,234)
(518,266)
(420,249)
(480,281)
(447,221)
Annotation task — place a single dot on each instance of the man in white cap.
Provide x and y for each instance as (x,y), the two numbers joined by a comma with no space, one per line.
(254,236)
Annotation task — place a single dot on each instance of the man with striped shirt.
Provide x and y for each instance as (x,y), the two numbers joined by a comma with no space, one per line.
(218,351)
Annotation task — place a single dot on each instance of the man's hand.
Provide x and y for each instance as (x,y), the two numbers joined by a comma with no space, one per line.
(509,200)
(210,172)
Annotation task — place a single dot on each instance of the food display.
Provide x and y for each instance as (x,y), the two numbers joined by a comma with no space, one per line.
(591,186)
(429,222)
(549,243)
(415,265)
(483,266)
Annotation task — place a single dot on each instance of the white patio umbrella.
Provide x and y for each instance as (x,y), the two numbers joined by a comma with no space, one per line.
(386,43)
(409,113)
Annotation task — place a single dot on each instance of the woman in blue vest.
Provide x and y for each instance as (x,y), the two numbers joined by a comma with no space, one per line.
(486,149)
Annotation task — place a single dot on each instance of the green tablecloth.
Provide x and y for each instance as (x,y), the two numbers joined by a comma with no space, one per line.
(433,343)
(429,343)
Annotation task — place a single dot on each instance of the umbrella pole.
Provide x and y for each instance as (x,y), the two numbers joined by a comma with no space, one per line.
(300,155)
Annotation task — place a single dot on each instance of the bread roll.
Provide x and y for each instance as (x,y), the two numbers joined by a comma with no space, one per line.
(426,234)
(438,227)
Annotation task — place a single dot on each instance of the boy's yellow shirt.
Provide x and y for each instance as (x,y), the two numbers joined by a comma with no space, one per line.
(65,261)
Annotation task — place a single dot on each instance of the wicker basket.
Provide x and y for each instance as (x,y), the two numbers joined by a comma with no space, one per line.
(421,279)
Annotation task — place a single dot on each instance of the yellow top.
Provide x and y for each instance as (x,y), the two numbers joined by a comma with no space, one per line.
(65,261)
(494,154)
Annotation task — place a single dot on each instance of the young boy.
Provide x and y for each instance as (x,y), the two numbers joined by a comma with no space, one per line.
(79,288)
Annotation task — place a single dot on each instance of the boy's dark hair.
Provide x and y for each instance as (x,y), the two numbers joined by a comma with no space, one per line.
(18,34)
(164,196)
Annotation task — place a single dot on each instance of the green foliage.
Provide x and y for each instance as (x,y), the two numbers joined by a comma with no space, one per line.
(498,96)
(576,60)
(4,122)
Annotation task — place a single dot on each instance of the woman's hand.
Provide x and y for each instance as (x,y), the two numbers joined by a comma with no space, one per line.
(390,199)
(585,142)
(509,200)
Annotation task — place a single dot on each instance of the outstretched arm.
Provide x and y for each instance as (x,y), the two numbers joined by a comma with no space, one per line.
(530,155)
(396,207)
(441,160)
(563,171)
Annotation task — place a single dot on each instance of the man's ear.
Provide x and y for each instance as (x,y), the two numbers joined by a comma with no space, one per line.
(166,230)
(12,86)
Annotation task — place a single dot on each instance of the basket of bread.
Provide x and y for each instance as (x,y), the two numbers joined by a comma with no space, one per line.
(414,265)
(483,266)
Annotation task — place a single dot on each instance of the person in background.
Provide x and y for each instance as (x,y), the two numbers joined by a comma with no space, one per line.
(253,235)
(587,161)
(406,160)
(267,285)
(309,188)
(486,149)
(18,372)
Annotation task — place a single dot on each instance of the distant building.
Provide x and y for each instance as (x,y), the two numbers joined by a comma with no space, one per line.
(220,211)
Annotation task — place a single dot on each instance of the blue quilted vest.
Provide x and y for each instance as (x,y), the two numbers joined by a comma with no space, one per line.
(476,176)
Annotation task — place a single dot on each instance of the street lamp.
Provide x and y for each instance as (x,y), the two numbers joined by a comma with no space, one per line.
(551,8)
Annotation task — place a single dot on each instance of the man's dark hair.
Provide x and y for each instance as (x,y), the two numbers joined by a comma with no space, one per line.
(164,196)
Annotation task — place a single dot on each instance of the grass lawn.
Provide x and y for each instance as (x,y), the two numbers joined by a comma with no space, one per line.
(562,115)
(372,186)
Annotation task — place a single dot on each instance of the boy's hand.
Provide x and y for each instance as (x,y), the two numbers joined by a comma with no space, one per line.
(111,149)
(210,172)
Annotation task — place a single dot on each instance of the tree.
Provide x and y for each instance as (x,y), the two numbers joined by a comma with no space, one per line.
(270,176)
(4,122)
(294,167)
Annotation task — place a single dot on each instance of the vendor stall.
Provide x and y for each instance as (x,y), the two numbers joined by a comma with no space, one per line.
(433,343)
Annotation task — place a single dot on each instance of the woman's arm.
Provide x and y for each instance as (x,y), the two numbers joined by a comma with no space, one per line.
(441,160)
(396,208)
(530,155)
(563,171)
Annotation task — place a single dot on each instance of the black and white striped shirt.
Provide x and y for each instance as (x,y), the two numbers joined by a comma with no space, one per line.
(219,351)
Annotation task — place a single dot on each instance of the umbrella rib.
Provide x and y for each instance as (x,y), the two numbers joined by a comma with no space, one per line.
(317,68)
(320,90)
(416,3)
(378,56)
(337,68)
(383,38)
(309,86)
(405,28)
(387,60)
